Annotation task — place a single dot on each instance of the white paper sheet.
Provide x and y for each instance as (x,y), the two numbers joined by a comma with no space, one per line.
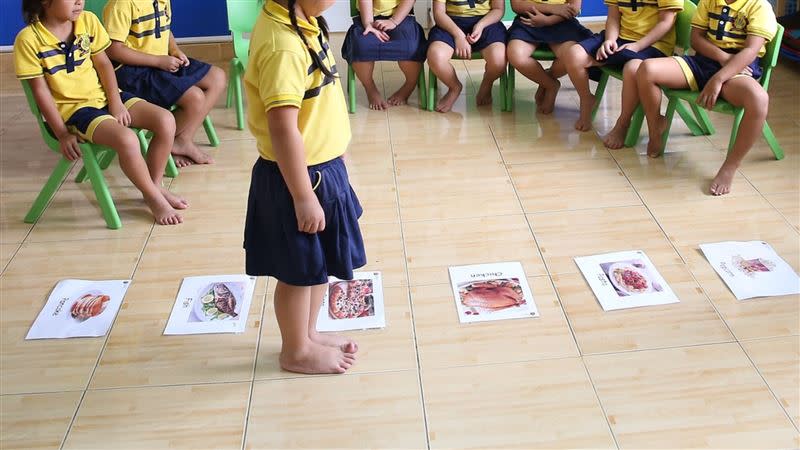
(496,291)
(752,269)
(625,280)
(79,308)
(212,304)
(353,305)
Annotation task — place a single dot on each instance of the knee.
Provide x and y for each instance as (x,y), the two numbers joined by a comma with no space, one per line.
(758,102)
(165,123)
(217,77)
(191,98)
(576,57)
(128,142)
(496,61)
(438,53)
(517,55)
(630,69)
(645,72)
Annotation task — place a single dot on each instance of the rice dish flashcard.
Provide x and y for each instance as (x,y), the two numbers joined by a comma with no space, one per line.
(625,280)
(355,304)
(212,304)
(752,269)
(79,308)
(486,292)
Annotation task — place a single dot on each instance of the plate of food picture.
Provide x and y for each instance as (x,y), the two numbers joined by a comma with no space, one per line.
(491,295)
(751,267)
(629,279)
(217,301)
(88,305)
(351,299)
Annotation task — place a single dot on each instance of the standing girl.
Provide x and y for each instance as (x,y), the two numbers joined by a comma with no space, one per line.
(302,214)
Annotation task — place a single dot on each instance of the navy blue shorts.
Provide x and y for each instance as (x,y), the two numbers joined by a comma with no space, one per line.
(407,43)
(565,31)
(158,86)
(592,44)
(85,120)
(495,32)
(699,69)
(274,246)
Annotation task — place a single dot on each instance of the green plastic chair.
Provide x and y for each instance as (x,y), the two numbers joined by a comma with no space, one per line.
(700,124)
(242,15)
(351,76)
(96,7)
(768,63)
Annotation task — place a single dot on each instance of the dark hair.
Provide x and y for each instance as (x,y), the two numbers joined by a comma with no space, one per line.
(32,10)
(323,25)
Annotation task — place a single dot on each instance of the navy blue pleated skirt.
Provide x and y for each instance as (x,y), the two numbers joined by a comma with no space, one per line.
(593,43)
(158,86)
(407,43)
(568,30)
(495,32)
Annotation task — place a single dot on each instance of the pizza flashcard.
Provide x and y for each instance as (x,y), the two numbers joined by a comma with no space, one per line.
(355,304)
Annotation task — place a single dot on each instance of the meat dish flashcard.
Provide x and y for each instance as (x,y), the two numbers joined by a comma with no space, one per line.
(625,280)
(212,304)
(752,269)
(355,304)
(79,308)
(486,292)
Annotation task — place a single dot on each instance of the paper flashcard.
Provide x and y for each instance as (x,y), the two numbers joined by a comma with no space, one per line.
(212,304)
(355,304)
(625,280)
(79,308)
(752,269)
(487,292)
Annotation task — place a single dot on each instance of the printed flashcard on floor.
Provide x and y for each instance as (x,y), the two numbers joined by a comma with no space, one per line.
(355,304)
(625,280)
(487,292)
(752,269)
(212,304)
(79,308)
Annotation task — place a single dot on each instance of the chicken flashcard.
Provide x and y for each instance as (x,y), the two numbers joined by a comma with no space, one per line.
(355,304)
(625,280)
(752,269)
(488,292)
(212,304)
(79,308)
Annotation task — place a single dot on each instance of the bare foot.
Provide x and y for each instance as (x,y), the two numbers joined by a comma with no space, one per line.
(317,359)
(187,148)
(654,148)
(584,122)
(540,91)
(484,95)
(446,102)
(181,161)
(616,137)
(343,343)
(175,201)
(401,96)
(722,182)
(548,102)
(163,211)
(376,101)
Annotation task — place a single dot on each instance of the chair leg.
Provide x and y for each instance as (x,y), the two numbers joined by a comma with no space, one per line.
(737,121)
(635,129)
(598,93)
(103,160)
(100,188)
(670,116)
(237,97)
(772,141)
(504,91)
(171,170)
(211,132)
(511,88)
(231,77)
(422,88)
(48,190)
(433,85)
(703,120)
(351,90)
(688,119)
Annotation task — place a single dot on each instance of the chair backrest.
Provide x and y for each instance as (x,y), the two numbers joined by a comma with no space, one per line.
(242,15)
(770,59)
(49,139)
(509,13)
(353,8)
(96,7)
(683,26)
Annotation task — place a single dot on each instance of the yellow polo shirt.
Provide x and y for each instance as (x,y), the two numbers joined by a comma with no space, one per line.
(143,25)
(68,69)
(467,8)
(727,25)
(281,73)
(383,7)
(638,17)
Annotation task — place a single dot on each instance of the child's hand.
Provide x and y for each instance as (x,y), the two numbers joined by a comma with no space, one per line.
(533,18)
(68,144)
(169,63)
(632,46)
(708,97)
(120,112)
(381,35)
(182,56)
(310,216)
(607,49)
(384,25)
(475,36)
(573,11)
(463,48)
(747,71)
(566,11)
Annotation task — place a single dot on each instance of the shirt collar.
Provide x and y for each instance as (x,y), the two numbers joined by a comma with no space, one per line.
(48,38)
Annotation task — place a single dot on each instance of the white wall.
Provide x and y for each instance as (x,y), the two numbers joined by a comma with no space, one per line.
(339,15)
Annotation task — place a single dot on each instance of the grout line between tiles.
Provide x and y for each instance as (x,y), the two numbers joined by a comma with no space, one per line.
(600,402)
(255,367)
(769,387)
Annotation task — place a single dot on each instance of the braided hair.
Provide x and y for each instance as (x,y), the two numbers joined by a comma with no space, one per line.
(323,25)
(32,10)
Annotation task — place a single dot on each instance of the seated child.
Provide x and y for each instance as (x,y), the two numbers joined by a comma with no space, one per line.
(635,30)
(150,65)
(544,24)
(61,54)
(463,27)
(729,39)
(386,30)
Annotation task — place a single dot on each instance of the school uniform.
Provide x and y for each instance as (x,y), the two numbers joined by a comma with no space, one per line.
(637,18)
(273,244)
(727,26)
(144,26)
(466,14)
(69,71)
(564,31)
(407,40)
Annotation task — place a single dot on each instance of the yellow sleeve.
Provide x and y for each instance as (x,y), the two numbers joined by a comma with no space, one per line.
(441,1)
(118,17)
(26,62)
(700,18)
(281,78)
(101,40)
(610,2)
(670,5)
(761,21)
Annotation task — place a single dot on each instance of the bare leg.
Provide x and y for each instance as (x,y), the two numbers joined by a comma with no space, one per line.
(651,76)
(110,133)
(495,57)
(364,72)
(411,71)
(743,92)
(439,55)
(578,62)
(331,340)
(519,55)
(298,352)
(194,106)
(630,100)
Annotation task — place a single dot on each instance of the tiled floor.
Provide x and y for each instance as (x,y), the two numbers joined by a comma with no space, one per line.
(471,186)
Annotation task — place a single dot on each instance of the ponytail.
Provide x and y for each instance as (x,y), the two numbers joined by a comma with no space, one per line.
(33,11)
(323,25)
